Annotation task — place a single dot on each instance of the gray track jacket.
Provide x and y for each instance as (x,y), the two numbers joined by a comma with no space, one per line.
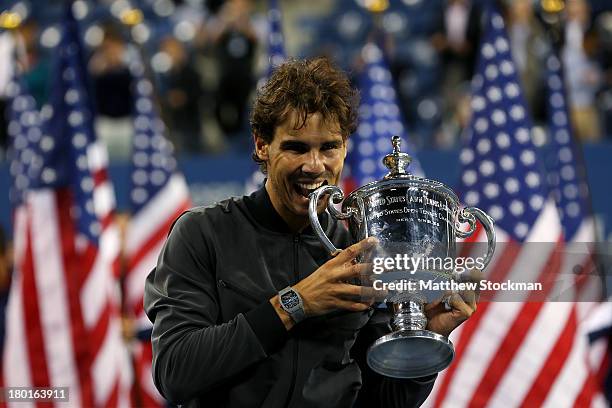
(217,341)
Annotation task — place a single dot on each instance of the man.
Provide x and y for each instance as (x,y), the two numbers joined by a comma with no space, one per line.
(222,335)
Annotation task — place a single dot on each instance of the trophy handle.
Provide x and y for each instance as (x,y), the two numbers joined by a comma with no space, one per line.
(469,215)
(336,196)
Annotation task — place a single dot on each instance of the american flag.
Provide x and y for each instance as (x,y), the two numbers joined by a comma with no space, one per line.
(158,195)
(379,119)
(63,327)
(567,178)
(276,56)
(526,352)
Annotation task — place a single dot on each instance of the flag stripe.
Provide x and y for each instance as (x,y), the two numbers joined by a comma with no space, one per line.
(554,363)
(71,266)
(513,340)
(506,259)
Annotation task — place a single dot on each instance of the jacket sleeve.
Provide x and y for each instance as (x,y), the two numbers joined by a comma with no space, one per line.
(192,353)
(378,390)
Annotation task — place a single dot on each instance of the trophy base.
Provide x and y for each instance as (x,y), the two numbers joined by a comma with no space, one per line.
(410,354)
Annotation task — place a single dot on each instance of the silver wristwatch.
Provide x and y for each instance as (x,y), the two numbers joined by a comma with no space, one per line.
(291,302)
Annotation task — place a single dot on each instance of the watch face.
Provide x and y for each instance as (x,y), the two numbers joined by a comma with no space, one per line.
(290,300)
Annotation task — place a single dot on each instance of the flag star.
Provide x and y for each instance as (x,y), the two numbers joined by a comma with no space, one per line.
(46,111)
(365,112)
(141,141)
(481,125)
(141,123)
(491,190)
(565,154)
(72,96)
(483,146)
(491,72)
(466,156)
(478,103)
(89,206)
(536,202)
(562,136)
(488,51)
(139,177)
(143,105)
(487,168)
(94,228)
(471,198)
(82,162)
(521,229)
(506,68)
(507,162)
(501,44)
(494,94)
(367,166)
(556,100)
(381,126)
(496,212)
(572,209)
(532,179)
(47,143)
(158,177)
(511,185)
(502,140)
(87,184)
(140,159)
(366,148)
(34,134)
(511,90)
(75,118)
(517,112)
(382,145)
(554,82)
(499,117)
(469,177)
(522,135)
(79,140)
(139,195)
(14,128)
(559,118)
(69,74)
(528,157)
(517,208)
(567,172)
(48,175)
(570,191)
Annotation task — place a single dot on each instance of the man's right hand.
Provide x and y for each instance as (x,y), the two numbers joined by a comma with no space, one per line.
(326,289)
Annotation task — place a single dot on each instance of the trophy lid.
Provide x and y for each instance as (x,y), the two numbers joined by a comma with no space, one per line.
(397,161)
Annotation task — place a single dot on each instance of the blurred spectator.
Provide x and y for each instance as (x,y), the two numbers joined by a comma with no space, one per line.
(113,99)
(529,46)
(180,97)
(235,41)
(457,42)
(582,73)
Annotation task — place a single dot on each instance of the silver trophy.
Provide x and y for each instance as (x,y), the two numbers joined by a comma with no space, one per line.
(415,218)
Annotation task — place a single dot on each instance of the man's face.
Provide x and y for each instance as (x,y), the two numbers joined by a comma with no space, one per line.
(300,161)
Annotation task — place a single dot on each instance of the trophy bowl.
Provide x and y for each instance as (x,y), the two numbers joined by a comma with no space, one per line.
(415,220)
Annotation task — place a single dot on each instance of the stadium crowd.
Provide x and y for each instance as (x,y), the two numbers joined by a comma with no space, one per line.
(206,56)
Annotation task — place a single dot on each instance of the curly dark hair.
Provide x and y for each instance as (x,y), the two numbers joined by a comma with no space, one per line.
(304,87)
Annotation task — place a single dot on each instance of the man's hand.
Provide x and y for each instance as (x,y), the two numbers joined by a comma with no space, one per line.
(326,289)
(444,316)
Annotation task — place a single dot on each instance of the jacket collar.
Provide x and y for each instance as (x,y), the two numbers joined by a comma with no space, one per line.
(261,208)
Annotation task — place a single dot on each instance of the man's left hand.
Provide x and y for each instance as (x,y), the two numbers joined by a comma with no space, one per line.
(445,315)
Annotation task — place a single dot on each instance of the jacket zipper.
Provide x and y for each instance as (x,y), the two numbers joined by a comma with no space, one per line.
(296,275)
(240,291)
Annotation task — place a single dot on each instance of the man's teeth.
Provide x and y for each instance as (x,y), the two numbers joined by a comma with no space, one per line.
(310,186)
